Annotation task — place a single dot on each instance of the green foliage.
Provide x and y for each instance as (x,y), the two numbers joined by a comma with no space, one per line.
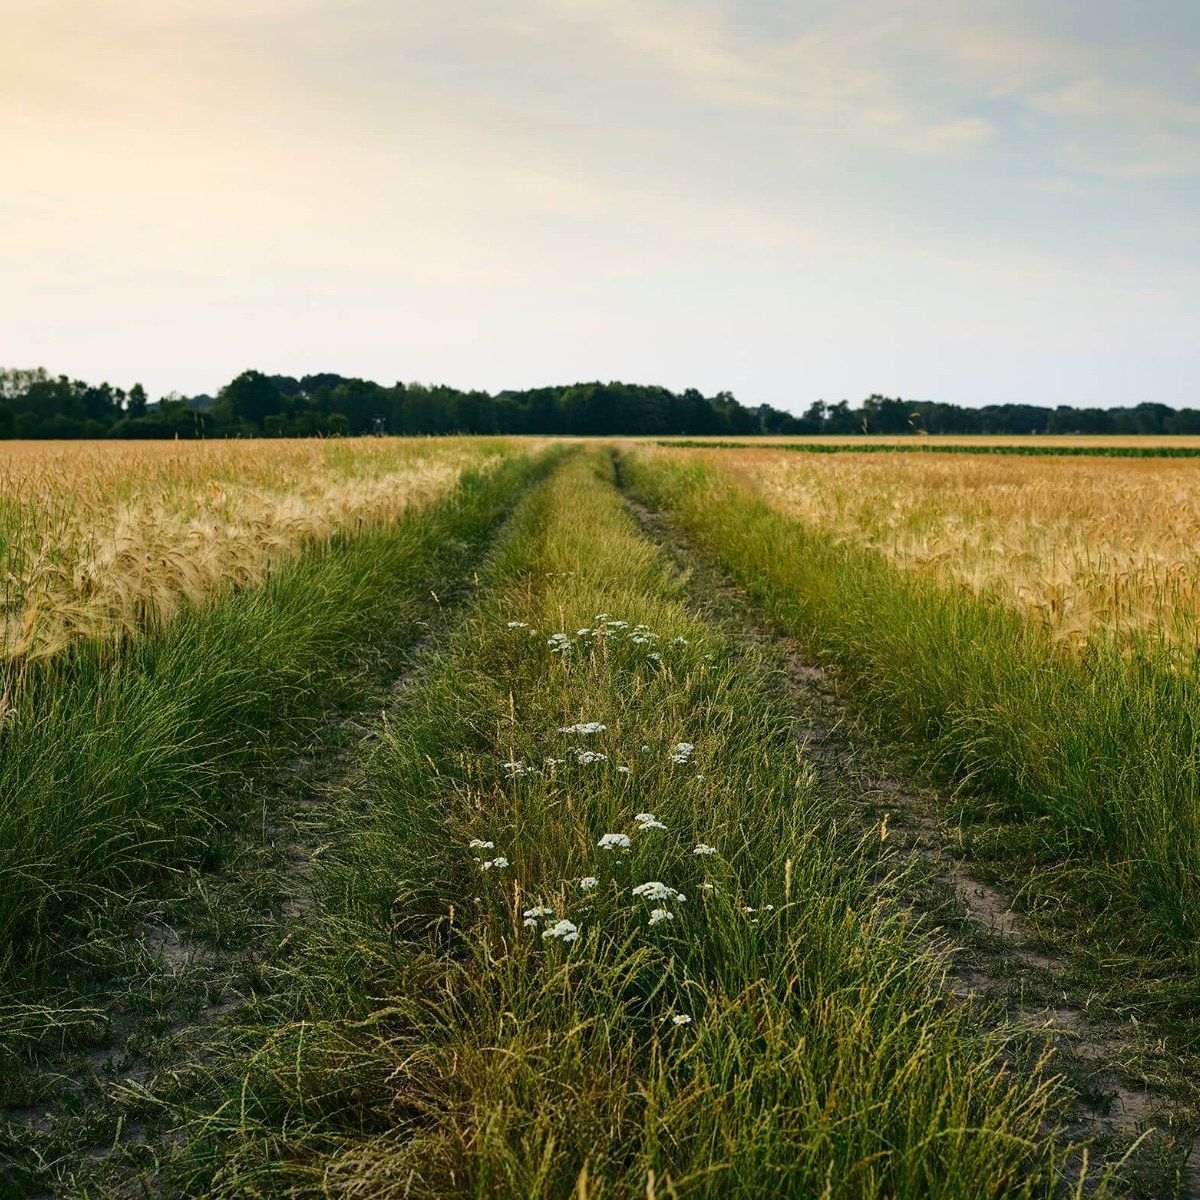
(782,1032)
(254,404)
(114,762)
(1096,750)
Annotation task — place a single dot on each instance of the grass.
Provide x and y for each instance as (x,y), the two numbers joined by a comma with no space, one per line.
(115,763)
(778,1027)
(1090,757)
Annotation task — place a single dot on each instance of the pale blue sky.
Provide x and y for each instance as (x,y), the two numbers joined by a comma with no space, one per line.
(970,201)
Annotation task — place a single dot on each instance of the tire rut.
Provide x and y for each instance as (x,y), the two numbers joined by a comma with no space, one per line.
(1135,1132)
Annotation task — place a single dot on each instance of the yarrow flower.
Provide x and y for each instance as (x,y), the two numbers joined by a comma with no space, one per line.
(518,625)
(623,770)
(659,915)
(654,890)
(517,769)
(495,864)
(588,882)
(559,643)
(587,757)
(614,841)
(704,850)
(534,915)
(480,844)
(583,727)
(681,752)
(566,931)
(645,820)
(679,641)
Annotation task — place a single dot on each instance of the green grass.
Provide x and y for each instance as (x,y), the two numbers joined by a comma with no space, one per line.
(114,764)
(921,446)
(1094,754)
(427,1043)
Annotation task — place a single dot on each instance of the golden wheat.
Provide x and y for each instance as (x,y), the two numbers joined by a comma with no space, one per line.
(101,539)
(1081,545)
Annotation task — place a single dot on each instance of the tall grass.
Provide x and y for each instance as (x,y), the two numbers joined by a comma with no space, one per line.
(112,764)
(1098,747)
(775,1029)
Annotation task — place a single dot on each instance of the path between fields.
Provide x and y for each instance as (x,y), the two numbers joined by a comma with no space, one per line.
(991,954)
(96,1132)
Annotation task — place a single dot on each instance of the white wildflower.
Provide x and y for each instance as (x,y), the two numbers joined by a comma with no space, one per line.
(559,643)
(654,890)
(645,821)
(566,931)
(495,864)
(583,727)
(480,844)
(679,641)
(518,625)
(708,887)
(534,915)
(601,618)
(681,1019)
(583,633)
(704,850)
(681,752)
(517,768)
(654,657)
(588,882)
(659,915)
(587,757)
(614,841)
(623,770)
(555,762)
(618,625)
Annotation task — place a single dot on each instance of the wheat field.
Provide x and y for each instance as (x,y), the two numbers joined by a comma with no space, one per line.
(100,539)
(1080,545)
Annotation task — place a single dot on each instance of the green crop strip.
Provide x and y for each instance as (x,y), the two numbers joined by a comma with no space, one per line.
(112,766)
(592,930)
(1092,754)
(922,447)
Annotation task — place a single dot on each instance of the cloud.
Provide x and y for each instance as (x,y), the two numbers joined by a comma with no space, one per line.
(1105,99)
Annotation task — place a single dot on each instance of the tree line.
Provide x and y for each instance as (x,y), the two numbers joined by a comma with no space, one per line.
(34,404)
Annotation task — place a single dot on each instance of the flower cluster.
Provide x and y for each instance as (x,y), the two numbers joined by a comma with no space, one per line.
(614,841)
(646,821)
(654,890)
(681,752)
(584,757)
(583,727)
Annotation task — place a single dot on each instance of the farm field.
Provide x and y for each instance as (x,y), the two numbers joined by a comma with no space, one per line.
(525,818)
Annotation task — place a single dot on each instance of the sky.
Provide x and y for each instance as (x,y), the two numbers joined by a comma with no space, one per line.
(958,200)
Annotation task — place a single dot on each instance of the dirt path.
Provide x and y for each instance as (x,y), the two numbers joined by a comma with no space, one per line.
(179,968)
(1127,1118)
